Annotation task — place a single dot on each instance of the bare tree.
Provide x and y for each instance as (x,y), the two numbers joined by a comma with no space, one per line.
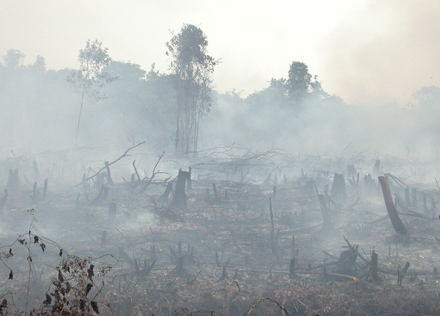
(90,78)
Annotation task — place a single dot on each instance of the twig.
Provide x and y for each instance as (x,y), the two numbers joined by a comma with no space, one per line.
(226,294)
(153,174)
(266,299)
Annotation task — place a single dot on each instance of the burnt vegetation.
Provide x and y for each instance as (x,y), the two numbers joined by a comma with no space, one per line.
(97,222)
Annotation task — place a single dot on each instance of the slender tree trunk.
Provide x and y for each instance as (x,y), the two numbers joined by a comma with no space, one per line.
(79,116)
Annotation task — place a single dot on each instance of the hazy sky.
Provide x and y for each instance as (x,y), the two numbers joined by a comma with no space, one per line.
(363,50)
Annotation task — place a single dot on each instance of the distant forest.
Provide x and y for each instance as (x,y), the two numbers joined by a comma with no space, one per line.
(180,111)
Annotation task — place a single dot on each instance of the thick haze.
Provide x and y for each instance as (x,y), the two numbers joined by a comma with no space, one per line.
(364,51)
(384,52)
(257,40)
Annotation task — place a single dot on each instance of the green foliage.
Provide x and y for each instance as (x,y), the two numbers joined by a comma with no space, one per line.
(189,52)
(299,81)
(192,68)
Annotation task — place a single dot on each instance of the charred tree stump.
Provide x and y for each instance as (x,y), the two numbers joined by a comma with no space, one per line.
(217,260)
(293,246)
(208,196)
(224,274)
(425,203)
(338,190)
(347,260)
(407,197)
(351,170)
(104,193)
(391,208)
(16,180)
(292,268)
(179,248)
(179,267)
(167,192)
(153,253)
(373,267)
(77,201)
(104,238)
(414,197)
(214,189)
(35,193)
(272,228)
(376,168)
(179,198)
(3,200)
(112,208)
(36,172)
(189,179)
(45,189)
(405,268)
(401,274)
(10,179)
(13,182)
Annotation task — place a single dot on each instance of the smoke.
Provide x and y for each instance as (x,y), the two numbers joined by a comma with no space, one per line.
(385,52)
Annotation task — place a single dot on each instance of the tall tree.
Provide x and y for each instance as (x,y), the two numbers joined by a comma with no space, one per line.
(192,68)
(299,81)
(90,77)
(13,58)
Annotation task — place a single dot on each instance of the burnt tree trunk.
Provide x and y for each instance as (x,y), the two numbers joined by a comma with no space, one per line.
(391,208)
(179,198)
(338,191)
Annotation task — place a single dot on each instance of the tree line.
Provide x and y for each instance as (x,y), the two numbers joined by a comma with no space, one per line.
(166,107)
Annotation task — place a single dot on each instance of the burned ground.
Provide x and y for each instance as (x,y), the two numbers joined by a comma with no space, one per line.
(261,234)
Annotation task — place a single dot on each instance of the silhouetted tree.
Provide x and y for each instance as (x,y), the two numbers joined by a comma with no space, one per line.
(90,77)
(192,68)
(40,64)
(299,81)
(13,58)
(427,96)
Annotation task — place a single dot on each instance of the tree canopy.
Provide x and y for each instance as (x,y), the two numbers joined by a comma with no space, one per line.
(192,68)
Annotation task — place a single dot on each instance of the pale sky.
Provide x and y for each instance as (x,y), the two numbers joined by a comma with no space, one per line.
(256,40)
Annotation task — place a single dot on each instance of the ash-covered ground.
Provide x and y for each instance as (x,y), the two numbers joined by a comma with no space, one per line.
(261,233)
